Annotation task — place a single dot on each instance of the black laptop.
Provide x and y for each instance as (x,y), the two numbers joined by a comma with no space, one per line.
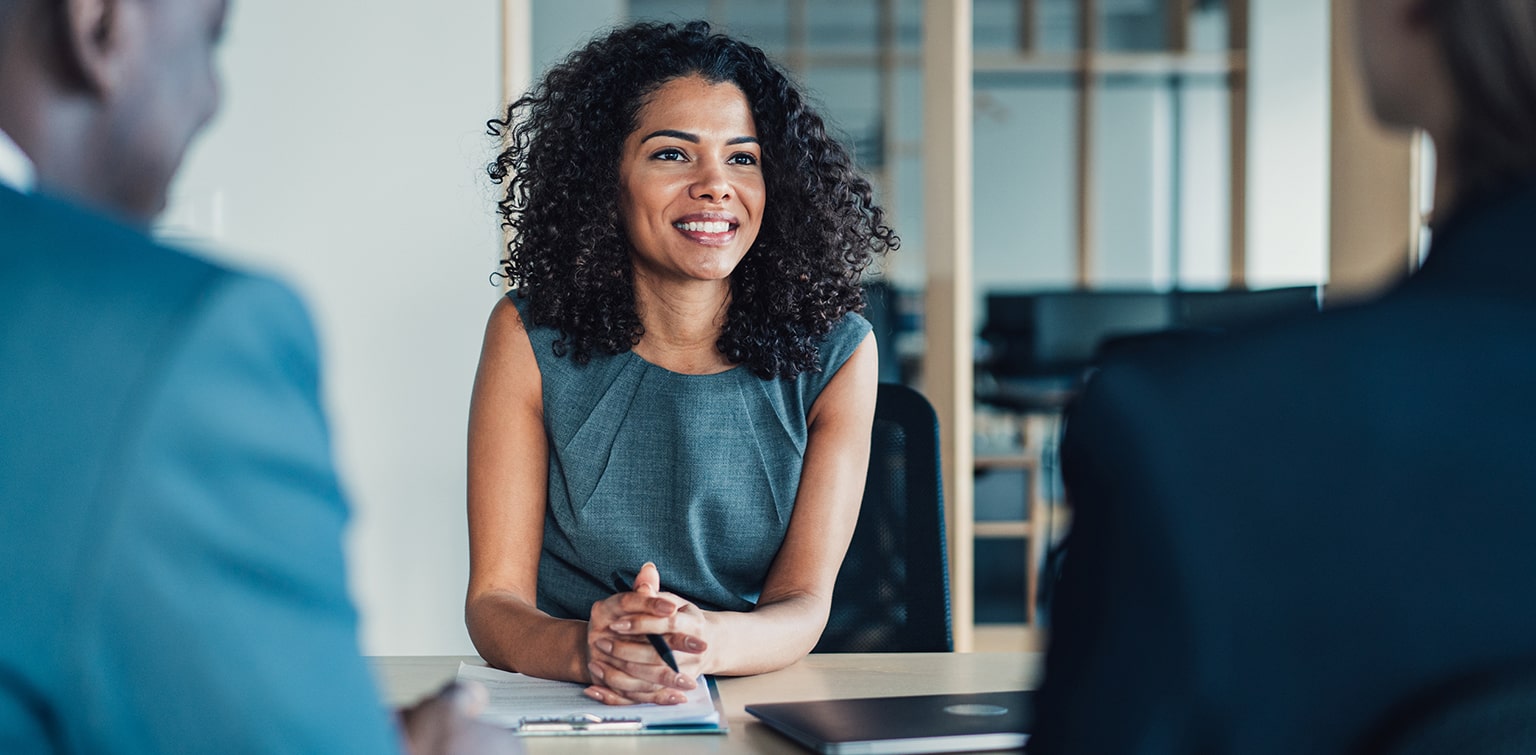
(910,724)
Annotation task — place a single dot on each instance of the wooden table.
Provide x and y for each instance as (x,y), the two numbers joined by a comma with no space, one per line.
(817,677)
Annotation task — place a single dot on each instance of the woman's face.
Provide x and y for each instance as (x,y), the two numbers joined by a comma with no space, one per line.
(691,189)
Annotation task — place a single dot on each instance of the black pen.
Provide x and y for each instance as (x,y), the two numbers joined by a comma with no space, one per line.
(663,649)
(657,641)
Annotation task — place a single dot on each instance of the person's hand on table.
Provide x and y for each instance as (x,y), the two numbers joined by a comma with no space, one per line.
(625,668)
(446,724)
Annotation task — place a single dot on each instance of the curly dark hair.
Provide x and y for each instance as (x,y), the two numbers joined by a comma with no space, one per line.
(570,254)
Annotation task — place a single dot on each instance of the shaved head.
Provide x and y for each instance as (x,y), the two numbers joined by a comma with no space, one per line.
(105,96)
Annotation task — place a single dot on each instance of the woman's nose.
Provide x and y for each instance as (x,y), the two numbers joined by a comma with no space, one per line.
(710,183)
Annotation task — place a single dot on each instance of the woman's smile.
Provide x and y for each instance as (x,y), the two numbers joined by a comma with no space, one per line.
(691,181)
(708,228)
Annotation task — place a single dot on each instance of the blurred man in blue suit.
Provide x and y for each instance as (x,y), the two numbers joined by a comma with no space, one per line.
(1289,540)
(171,569)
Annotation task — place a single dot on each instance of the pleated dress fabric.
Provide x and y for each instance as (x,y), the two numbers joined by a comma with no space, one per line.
(697,473)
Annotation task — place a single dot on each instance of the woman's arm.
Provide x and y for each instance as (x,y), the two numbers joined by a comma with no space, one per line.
(508,479)
(797,595)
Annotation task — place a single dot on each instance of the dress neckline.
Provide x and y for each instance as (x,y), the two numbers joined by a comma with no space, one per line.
(692,375)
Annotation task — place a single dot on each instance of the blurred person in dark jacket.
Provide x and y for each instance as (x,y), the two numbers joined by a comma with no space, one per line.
(1281,535)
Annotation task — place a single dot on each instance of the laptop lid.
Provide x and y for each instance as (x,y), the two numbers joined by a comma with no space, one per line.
(908,724)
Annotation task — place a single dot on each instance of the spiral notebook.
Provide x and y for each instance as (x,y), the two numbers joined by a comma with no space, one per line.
(911,724)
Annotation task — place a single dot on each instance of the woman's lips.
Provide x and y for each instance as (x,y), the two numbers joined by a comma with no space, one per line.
(708,231)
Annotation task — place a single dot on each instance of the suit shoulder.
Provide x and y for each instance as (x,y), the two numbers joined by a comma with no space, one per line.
(1288,350)
(83,269)
(97,312)
(80,238)
(88,273)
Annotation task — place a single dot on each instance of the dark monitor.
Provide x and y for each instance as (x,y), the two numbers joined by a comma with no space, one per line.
(1228,310)
(1059,333)
(1053,333)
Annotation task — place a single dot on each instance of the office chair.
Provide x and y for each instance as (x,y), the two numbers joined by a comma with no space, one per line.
(1480,714)
(892,593)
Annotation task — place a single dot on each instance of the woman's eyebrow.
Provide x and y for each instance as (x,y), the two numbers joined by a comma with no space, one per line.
(693,138)
(674,133)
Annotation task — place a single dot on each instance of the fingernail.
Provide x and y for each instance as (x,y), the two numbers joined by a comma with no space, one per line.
(596,672)
(695,644)
(683,681)
(605,645)
(594,694)
(621,626)
(675,698)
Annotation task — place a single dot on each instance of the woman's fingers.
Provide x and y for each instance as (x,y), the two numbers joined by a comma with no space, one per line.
(676,624)
(622,604)
(630,651)
(641,663)
(606,696)
(614,677)
(625,668)
(648,604)
(648,581)
(686,643)
(641,682)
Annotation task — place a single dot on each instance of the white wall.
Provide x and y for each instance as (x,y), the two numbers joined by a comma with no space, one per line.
(1288,113)
(349,159)
(1132,143)
(1025,188)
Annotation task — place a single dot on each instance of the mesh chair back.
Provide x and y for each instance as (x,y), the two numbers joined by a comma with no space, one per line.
(892,593)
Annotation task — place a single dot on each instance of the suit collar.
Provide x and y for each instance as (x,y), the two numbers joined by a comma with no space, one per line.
(17,172)
(1491,240)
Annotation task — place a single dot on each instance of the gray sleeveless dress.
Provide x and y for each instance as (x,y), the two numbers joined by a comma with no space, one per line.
(697,473)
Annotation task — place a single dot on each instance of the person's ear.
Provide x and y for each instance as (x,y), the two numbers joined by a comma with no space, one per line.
(97,38)
(1417,15)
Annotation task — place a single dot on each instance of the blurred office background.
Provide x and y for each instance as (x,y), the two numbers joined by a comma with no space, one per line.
(1061,172)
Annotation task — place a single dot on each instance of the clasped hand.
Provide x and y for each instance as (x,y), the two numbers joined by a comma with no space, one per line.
(625,668)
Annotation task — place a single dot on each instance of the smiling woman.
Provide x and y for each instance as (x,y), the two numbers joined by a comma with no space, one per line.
(671,420)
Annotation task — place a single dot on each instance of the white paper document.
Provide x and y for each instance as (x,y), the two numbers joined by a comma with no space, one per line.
(514,697)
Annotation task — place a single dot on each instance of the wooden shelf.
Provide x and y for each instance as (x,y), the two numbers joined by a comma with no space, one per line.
(1049,63)
(1102,62)
(1003,529)
(1008,638)
(1009,461)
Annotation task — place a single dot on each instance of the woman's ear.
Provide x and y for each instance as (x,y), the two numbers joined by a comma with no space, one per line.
(100,40)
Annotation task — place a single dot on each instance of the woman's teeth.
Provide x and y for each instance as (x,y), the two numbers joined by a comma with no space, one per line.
(710,226)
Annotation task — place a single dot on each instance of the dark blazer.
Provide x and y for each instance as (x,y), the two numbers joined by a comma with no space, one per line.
(171,570)
(1278,535)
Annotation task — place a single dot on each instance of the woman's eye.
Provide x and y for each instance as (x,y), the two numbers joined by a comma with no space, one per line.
(743,158)
(670,153)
